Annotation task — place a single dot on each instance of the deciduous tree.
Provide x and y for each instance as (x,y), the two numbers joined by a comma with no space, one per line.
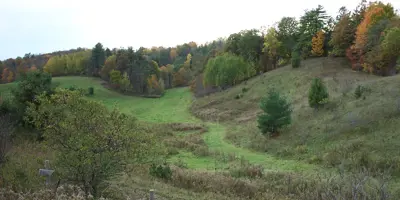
(318,44)
(272,45)
(343,34)
(226,70)
(110,64)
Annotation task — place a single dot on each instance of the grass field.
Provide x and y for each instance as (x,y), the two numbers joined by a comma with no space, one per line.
(174,107)
(348,133)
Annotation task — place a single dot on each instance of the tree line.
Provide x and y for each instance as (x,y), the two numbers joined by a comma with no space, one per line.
(368,36)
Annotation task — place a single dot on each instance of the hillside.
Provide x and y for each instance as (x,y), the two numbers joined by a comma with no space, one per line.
(225,145)
(343,133)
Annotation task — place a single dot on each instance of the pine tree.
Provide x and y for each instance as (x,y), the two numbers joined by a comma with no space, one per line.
(277,113)
(318,94)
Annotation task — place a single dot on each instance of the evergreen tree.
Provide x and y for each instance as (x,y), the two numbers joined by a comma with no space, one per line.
(277,113)
(98,58)
(108,53)
(318,94)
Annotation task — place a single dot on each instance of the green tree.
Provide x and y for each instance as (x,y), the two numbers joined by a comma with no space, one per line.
(310,23)
(91,143)
(247,43)
(31,84)
(287,33)
(277,113)
(108,53)
(98,58)
(318,94)
(227,69)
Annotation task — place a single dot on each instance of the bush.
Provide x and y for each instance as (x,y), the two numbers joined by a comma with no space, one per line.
(72,88)
(296,60)
(277,113)
(161,171)
(360,90)
(91,91)
(245,89)
(238,96)
(318,94)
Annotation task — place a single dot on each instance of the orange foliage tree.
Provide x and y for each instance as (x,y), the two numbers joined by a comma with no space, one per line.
(33,68)
(318,44)
(179,79)
(374,13)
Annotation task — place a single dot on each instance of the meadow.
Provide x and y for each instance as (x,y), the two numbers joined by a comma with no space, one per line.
(215,139)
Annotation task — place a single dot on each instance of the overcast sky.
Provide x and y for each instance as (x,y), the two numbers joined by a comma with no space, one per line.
(41,26)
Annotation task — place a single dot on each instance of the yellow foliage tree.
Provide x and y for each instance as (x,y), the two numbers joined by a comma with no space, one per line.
(10,77)
(172,54)
(318,44)
(187,64)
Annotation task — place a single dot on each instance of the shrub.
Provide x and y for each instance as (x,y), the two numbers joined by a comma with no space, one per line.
(81,131)
(161,171)
(72,88)
(91,91)
(318,94)
(238,96)
(296,60)
(277,113)
(245,89)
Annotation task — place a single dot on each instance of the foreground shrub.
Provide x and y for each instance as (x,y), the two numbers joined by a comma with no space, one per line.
(91,91)
(227,69)
(91,142)
(318,94)
(277,113)
(161,171)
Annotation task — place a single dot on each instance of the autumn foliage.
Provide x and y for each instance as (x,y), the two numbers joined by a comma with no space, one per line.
(7,76)
(318,44)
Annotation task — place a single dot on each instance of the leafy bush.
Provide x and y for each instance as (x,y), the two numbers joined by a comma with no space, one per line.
(318,94)
(91,91)
(245,89)
(360,90)
(277,113)
(161,171)
(296,60)
(238,96)
(72,88)
(227,69)
(81,131)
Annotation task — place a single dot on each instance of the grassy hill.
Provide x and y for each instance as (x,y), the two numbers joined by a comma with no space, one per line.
(348,132)
(214,137)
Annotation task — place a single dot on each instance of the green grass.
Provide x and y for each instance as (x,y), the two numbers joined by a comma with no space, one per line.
(172,107)
(348,132)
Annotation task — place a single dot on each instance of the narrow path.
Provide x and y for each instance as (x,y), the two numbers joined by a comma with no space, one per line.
(174,107)
(215,140)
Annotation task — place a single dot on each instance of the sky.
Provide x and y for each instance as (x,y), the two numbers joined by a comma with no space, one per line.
(42,26)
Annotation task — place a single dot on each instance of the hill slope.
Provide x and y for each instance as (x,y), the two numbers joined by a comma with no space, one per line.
(348,132)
